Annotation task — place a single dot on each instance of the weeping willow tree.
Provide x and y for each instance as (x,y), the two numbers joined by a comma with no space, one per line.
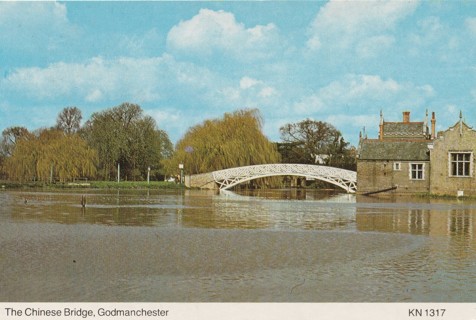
(232,141)
(51,153)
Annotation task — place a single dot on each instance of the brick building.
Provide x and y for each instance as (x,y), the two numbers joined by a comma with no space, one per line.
(409,158)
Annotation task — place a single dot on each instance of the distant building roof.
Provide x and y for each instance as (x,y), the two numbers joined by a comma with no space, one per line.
(393,150)
(404,130)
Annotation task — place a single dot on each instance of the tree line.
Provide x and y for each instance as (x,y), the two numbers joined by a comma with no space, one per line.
(123,140)
(120,139)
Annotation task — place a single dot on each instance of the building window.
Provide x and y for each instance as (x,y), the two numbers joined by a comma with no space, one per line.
(397,166)
(416,171)
(460,164)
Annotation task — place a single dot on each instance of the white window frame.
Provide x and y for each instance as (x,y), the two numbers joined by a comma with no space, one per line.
(461,162)
(397,166)
(411,170)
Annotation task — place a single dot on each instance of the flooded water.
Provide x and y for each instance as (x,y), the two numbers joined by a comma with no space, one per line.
(200,246)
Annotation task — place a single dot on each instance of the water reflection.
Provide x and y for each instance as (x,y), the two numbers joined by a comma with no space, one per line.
(278,209)
(428,219)
(414,221)
(130,208)
(449,225)
(271,209)
(285,194)
(259,209)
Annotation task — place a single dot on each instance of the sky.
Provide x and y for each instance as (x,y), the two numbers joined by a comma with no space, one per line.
(185,62)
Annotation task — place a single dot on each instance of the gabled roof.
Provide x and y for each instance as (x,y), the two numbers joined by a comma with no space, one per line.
(393,150)
(458,126)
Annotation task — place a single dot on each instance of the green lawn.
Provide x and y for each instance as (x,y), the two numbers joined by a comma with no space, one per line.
(93,184)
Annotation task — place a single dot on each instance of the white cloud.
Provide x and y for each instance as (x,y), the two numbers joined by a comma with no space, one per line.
(32,14)
(430,30)
(471,25)
(164,86)
(343,24)
(164,116)
(371,47)
(267,92)
(250,93)
(309,105)
(349,125)
(94,96)
(452,109)
(346,120)
(98,79)
(436,39)
(169,119)
(473,94)
(230,94)
(205,31)
(247,82)
(354,101)
(211,31)
(357,87)
(258,87)
(140,44)
(34,26)
(354,93)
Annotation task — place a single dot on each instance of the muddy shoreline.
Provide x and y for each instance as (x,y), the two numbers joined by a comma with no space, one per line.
(55,262)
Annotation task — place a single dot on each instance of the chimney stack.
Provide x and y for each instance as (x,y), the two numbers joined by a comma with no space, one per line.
(433,125)
(406,116)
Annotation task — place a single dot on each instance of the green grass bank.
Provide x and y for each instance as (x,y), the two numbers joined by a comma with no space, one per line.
(93,185)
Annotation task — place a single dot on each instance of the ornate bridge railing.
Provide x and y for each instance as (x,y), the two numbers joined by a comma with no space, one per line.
(229,178)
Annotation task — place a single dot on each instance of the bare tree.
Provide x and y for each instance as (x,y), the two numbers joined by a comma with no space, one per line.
(10,137)
(314,142)
(69,120)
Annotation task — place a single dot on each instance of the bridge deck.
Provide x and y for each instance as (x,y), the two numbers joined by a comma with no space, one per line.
(228,178)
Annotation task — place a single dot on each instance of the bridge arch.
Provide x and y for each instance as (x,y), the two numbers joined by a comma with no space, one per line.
(342,178)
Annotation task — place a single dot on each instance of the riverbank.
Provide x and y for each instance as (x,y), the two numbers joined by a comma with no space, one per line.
(406,196)
(92,184)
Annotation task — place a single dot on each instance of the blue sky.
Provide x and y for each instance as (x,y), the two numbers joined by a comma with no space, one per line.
(184,62)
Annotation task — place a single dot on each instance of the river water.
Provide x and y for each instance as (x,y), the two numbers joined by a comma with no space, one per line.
(255,246)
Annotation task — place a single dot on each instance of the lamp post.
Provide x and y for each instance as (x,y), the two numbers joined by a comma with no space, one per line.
(181,172)
(148,175)
(189,150)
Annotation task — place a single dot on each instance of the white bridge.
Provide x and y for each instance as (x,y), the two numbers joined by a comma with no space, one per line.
(228,178)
